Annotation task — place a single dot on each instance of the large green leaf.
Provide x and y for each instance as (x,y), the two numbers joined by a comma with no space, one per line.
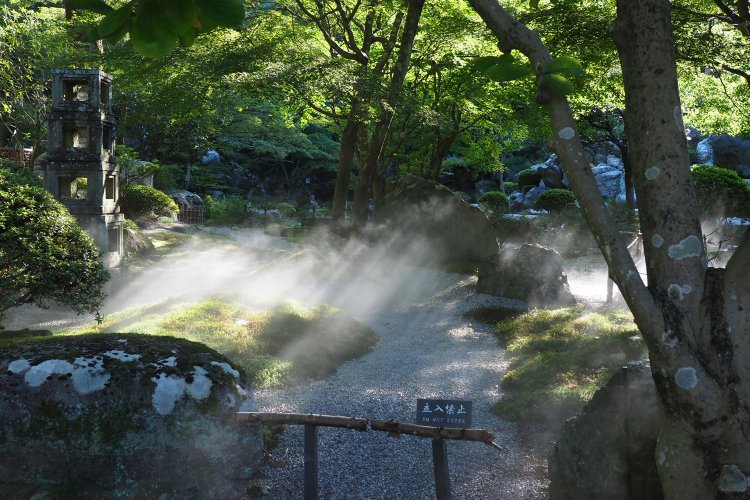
(564,65)
(180,15)
(505,72)
(229,13)
(150,35)
(484,63)
(113,22)
(558,83)
(97,6)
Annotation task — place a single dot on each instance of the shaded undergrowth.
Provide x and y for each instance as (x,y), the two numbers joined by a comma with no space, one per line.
(275,348)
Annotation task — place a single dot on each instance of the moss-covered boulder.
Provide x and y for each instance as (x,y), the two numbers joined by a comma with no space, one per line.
(122,415)
(531,273)
(422,212)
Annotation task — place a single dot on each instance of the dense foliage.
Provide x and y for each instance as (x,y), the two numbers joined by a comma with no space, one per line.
(45,256)
(721,192)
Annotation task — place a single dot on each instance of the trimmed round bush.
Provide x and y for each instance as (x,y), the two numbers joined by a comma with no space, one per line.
(142,201)
(495,200)
(510,187)
(721,192)
(528,177)
(286,209)
(555,200)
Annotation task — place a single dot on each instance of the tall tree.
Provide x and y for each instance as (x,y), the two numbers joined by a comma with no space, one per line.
(694,319)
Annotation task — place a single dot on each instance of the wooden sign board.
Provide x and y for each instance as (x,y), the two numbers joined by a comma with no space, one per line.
(452,413)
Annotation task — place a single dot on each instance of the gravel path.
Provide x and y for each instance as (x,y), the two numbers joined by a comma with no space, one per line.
(426,350)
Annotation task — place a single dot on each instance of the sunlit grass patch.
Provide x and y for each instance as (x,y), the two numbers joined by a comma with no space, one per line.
(282,346)
(560,358)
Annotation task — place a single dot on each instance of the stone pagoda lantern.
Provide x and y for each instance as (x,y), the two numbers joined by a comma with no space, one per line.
(79,168)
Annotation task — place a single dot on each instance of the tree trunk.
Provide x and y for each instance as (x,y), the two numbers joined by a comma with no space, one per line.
(375,150)
(346,159)
(694,320)
(700,377)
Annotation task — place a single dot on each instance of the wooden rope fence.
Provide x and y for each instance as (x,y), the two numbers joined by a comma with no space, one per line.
(439,435)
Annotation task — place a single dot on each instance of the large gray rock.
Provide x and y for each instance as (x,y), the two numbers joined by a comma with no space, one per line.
(531,273)
(609,180)
(212,157)
(484,186)
(530,197)
(123,416)
(186,199)
(425,211)
(725,151)
(607,451)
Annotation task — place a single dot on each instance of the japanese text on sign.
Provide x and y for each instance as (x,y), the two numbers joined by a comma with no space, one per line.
(444,413)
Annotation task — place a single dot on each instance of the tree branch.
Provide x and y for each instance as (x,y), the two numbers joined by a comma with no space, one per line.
(566,143)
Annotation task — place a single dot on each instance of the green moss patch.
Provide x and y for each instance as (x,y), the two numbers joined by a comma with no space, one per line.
(279,347)
(559,358)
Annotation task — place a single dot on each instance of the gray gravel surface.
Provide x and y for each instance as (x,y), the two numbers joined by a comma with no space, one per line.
(427,349)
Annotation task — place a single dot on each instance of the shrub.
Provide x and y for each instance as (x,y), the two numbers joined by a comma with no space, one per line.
(510,187)
(228,211)
(144,201)
(286,209)
(495,200)
(721,192)
(528,177)
(555,200)
(44,254)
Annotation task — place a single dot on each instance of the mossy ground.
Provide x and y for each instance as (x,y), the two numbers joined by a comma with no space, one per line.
(279,347)
(559,359)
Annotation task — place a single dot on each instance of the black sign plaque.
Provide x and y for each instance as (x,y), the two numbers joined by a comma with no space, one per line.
(453,413)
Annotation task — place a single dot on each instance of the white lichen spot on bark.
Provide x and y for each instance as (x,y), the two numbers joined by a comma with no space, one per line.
(689,247)
(652,173)
(678,292)
(657,240)
(662,457)
(566,133)
(19,366)
(733,480)
(669,338)
(686,378)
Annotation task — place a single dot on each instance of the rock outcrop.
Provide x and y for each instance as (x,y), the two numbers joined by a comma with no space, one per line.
(531,273)
(608,450)
(424,210)
(122,416)
(725,151)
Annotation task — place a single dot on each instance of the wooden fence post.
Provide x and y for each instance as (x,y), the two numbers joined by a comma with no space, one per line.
(440,465)
(311,462)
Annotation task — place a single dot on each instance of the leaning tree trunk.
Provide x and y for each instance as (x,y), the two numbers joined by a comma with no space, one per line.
(694,320)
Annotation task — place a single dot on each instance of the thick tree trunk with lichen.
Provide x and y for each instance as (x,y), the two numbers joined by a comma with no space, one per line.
(695,320)
(700,364)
